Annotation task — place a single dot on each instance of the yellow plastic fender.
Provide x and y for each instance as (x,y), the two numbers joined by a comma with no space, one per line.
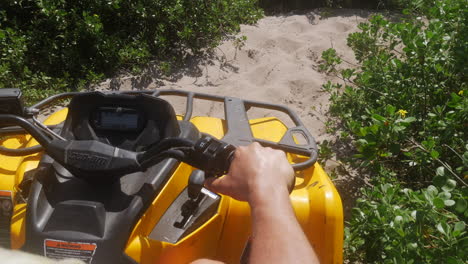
(315,200)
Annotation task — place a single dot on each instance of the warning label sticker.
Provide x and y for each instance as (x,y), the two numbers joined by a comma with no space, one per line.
(5,193)
(58,249)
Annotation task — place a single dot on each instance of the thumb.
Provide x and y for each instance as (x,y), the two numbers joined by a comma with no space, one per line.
(216,184)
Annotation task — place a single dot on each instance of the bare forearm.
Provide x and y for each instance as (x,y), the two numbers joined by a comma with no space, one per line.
(276,235)
(262,177)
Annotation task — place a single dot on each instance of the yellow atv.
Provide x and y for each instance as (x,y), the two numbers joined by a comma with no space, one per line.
(118,178)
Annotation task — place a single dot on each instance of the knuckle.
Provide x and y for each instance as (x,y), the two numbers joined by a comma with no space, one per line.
(255,143)
(279,153)
(237,152)
(240,150)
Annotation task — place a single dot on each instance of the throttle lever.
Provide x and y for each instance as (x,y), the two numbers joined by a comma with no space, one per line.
(195,184)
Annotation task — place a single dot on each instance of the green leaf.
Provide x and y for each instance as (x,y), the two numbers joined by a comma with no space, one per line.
(432,190)
(400,232)
(363,131)
(454,260)
(398,128)
(461,205)
(449,185)
(409,119)
(438,202)
(449,202)
(441,229)
(429,144)
(459,226)
(374,128)
(391,109)
(378,117)
(434,154)
(444,195)
(439,181)
(440,171)
(362,142)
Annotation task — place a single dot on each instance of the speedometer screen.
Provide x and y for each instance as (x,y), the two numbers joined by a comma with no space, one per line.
(117,118)
(124,121)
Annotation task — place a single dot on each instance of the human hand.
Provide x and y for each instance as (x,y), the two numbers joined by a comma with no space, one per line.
(255,173)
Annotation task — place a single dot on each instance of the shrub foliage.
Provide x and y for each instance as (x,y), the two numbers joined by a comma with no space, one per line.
(406,107)
(58,44)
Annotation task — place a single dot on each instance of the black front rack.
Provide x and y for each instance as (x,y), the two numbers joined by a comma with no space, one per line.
(238,128)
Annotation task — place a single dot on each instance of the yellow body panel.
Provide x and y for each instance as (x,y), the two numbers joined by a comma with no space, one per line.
(18,226)
(9,165)
(16,168)
(314,198)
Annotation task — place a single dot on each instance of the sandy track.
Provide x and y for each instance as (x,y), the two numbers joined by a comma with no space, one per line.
(278,63)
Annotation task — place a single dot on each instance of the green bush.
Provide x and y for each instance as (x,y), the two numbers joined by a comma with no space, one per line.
(391,224)
(58,44)
(406,107)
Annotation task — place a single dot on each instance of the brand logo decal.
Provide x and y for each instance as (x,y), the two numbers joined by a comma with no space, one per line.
(87,160)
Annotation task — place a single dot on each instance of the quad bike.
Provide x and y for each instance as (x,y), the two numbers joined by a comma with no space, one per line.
(118,178)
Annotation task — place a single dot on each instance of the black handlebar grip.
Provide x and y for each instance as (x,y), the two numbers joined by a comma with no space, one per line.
(212,155)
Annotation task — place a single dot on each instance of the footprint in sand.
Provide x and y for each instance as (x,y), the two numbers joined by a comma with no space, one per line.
(296,87)
(269,44)
(288,45)
(297,27)
(341,27)
(261,75)
(306,54)
(302,91)
(299,88)
(253,54)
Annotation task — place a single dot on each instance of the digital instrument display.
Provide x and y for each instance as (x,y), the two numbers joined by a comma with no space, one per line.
(125,121)
(117,118)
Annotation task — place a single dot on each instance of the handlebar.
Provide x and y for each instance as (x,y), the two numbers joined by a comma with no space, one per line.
(92,158)
(28,126)
(237,133)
